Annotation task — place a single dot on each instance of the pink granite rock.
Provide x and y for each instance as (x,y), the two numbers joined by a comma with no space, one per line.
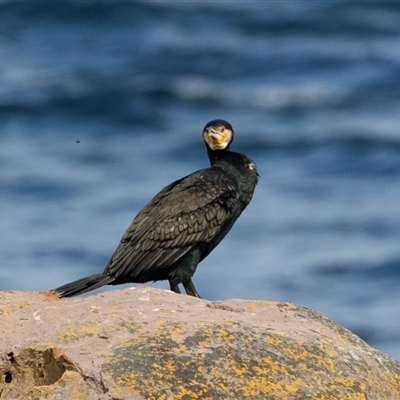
(144,343)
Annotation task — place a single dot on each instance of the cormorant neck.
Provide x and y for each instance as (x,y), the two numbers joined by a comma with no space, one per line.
(215,155)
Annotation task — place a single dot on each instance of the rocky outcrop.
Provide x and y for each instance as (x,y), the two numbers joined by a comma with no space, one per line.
(145,343)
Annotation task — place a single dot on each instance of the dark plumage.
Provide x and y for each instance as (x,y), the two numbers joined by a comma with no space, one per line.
(183,223)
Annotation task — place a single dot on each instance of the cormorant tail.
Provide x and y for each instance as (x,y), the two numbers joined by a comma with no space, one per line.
(84,285)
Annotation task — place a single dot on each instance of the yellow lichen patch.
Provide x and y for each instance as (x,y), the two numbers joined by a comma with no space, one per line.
(68,336)
(182,348)
(227,360)
(280,333)
(184,393)
(9,310)
(287,306)
(255,386)
(178,331)
(74,333)
(273,340)
(24,304)
(127,381)
(5,314)
(254,305)
(329,348)
(89,330)
(330,365)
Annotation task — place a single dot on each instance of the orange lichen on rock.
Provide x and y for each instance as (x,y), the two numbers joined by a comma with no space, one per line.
(153,344)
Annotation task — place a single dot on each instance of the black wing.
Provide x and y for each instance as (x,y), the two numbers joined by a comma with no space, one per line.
(187,212)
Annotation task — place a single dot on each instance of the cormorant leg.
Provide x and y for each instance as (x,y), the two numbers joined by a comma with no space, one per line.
(174,287)
(190,289)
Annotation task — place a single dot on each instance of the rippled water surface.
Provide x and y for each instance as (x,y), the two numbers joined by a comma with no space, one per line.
(102,104)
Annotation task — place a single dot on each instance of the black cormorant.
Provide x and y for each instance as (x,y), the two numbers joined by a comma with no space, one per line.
(183,223)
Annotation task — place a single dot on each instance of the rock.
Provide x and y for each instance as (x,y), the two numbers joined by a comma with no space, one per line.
(144,343)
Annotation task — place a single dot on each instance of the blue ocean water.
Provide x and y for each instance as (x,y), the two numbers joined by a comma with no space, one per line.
(103,103)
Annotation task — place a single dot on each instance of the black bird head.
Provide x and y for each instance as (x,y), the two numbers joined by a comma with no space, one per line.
(218,135)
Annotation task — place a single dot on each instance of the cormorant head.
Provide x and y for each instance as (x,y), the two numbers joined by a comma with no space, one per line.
(218,134)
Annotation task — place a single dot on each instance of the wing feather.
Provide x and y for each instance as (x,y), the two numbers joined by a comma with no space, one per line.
(185,213)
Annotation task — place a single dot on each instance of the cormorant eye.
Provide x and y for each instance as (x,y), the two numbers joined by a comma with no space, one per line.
(222,129)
